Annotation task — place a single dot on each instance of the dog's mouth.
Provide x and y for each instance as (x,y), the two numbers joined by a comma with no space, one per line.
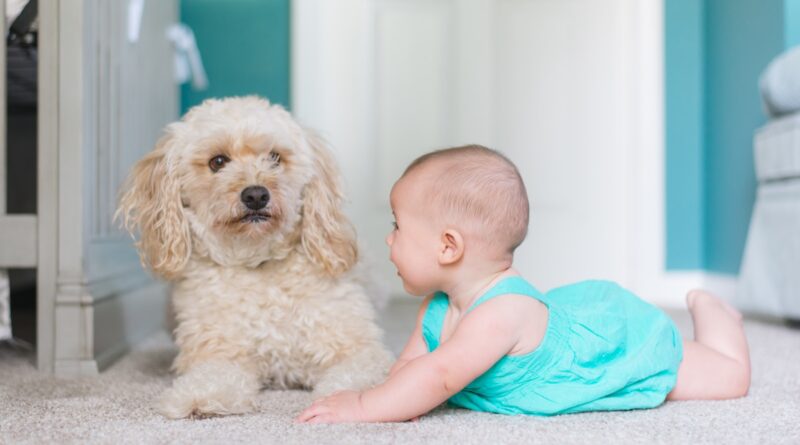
(255,217)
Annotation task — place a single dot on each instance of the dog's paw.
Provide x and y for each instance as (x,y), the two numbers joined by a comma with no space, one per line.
(358,372)
(210,389)
(180,405)
(325,389)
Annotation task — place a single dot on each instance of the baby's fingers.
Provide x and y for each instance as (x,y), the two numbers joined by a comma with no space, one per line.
(311,412)
(323,418)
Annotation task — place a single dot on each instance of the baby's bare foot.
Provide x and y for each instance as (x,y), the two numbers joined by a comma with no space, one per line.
(699,298)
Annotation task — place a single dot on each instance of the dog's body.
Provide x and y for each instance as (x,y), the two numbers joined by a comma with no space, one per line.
(240,208)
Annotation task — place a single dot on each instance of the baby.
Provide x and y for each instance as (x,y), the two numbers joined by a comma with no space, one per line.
(487,340)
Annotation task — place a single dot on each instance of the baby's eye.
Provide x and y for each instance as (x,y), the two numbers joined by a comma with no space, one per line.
(394,225)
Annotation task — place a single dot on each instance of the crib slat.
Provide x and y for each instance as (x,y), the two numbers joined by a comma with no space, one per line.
(18,235)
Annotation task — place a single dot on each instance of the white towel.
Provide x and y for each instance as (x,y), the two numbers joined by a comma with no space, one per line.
(188,63)
(780,84)
(13,9)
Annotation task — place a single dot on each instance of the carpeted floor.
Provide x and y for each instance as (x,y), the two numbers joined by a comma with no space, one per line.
(116,407)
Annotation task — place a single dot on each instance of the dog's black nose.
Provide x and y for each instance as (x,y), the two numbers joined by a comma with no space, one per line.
(255,197)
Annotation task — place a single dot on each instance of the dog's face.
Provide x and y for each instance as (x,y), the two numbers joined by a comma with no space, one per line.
(242,169)
(240,182)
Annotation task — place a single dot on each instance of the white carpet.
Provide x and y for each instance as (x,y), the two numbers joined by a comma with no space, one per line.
(116,407)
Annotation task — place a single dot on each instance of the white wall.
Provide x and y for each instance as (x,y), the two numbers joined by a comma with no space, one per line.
(569,89)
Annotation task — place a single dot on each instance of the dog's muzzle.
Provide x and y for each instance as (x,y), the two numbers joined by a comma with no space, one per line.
(255,197)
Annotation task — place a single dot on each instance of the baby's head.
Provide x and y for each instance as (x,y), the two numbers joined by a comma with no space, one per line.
(474,190)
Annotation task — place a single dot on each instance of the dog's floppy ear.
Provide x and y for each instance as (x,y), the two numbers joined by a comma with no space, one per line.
(327,237)
(151,203)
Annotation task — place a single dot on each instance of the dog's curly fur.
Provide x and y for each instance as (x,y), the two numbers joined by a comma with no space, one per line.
(266,297)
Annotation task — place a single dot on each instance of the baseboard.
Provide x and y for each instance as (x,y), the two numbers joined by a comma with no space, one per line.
(669,289)
(69,368)
(672,287)
(722,285)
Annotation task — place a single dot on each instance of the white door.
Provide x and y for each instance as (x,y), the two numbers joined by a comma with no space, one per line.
(562,112)
(547,82)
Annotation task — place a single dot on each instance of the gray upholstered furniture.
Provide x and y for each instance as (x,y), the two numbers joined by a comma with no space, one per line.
(770,274)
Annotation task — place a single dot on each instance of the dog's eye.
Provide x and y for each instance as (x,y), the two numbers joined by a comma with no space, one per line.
(217,162)
(275,157)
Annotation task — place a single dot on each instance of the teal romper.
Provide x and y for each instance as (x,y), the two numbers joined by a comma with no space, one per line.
(603,349)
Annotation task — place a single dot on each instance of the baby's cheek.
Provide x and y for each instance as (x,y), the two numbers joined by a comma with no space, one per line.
(398,258)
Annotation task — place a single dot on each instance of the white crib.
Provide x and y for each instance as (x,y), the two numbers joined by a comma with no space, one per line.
(102,98)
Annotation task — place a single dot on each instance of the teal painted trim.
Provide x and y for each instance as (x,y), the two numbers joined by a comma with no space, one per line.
(245,46)
(684,110)
(792,22)
(742,36)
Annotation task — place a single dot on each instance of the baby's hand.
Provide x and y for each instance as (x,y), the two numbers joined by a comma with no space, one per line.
(342,406)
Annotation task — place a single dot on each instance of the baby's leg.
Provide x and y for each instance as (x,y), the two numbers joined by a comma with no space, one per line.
(716,365)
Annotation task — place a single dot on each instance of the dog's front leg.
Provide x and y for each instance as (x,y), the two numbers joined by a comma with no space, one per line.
(211,388)
(361,370)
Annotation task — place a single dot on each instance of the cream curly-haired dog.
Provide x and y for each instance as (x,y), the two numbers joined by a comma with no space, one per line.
(239,206)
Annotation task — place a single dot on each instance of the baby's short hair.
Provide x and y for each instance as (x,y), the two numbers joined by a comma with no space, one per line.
(476,184)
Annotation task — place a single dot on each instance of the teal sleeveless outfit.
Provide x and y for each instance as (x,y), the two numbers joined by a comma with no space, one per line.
(604,349)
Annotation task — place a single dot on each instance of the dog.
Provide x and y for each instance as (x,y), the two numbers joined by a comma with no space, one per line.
(240,208)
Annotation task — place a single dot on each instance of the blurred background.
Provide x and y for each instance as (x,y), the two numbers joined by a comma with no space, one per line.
(632,121)
(635,124)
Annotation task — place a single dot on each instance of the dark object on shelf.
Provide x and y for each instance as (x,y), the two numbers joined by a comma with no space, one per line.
(22,31)
(21,59)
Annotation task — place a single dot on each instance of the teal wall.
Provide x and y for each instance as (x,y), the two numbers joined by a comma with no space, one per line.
(245,48)
(792,22)
(684,114)
(742,36)
(714,53)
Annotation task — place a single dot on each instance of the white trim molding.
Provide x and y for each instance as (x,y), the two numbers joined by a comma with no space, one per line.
(669,288)
(723,285)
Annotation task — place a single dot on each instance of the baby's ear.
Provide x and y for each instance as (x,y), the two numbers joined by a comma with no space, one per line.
(328,238)
(452,247)
(151,204)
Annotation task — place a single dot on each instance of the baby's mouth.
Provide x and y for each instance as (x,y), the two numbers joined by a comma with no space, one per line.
(255,217)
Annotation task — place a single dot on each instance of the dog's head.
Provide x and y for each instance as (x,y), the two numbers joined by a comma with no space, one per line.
(239,181)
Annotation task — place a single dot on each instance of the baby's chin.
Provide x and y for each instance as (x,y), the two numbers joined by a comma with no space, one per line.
(414,291)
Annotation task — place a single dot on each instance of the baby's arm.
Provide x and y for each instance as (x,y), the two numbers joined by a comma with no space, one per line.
(416,344)
(480,340)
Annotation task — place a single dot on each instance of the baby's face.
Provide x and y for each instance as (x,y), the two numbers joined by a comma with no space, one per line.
(414,239)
